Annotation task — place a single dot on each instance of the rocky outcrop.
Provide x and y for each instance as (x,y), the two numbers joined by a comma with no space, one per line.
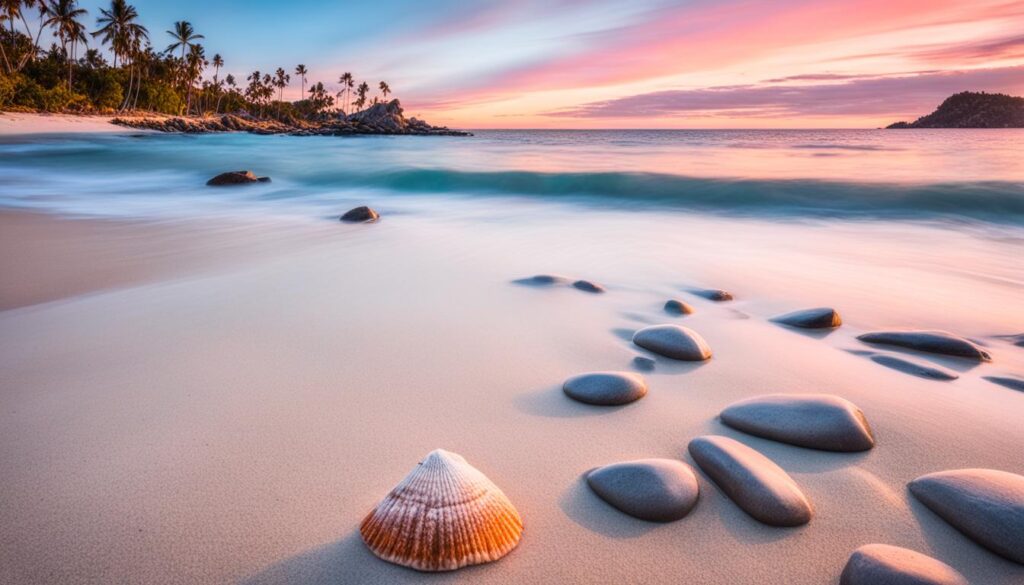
(236,178)
(382,118)
(970,109)
(361,214)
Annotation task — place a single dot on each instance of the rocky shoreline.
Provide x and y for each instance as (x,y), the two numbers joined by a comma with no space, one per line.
(379,119)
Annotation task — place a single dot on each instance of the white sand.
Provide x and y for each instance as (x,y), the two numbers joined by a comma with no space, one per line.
(236,424)
(18,123)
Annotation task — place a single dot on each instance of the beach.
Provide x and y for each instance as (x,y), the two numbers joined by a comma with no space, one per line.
(207,386)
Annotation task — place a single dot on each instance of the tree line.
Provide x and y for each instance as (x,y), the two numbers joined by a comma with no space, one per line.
(74,75)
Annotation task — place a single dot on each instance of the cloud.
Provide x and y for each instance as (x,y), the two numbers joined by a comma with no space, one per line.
(902,95)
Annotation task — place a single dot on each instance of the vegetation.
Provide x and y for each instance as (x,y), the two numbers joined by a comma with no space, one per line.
(73,75)
(973,110)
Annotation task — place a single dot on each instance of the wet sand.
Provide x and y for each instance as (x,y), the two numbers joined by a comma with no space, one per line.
(228,401)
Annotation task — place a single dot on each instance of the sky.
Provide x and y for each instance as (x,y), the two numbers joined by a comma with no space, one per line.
(625,63)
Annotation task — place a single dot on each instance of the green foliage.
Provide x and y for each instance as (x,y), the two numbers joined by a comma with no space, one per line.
(8,86)
(60,98)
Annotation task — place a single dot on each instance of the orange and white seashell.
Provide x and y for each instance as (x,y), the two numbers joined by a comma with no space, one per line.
(443,516)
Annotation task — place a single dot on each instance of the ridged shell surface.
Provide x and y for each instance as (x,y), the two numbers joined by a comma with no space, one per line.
(444,515)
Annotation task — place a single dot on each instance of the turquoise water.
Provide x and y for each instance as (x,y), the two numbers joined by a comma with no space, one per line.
(974,176)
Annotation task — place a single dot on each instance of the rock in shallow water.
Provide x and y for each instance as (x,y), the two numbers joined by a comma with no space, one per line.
(644,363)
(820,318)
(360,214)
(914,369)
(714,294)
(815,421)
(587,286)
(1007,382)
(606,388)
(986,505)
(657,490)
(928,341)
(542,280)
(236,178)
(677,307)
(881,564)
(755,483)
(680,343)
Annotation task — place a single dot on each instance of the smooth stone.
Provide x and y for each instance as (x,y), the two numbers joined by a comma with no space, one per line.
(673,341)
(606,388)
(542,280)
(1017,340)
(914,369)
(755,483)
(360,214)
(656,490)
(986,505)
(820,318)
(882,564)
(928,341)
(714,294)
(1006,382)
(236,178)
(815,421)
(677,307)
(644,363)
(587,286)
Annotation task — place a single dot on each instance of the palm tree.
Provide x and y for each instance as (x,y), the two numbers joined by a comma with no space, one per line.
(361,92)
(15,10)
(194,70)
(347,81)
(63,16)
(301,71)
(385,89)
(281,80)
(184,36)
(119,28)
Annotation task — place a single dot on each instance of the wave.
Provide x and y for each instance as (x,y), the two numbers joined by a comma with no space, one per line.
(994,201)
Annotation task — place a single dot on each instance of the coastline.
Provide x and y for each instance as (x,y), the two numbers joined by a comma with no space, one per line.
(18,123)
(233,417)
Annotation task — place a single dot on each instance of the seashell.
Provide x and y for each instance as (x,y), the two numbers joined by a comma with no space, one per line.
(443,516)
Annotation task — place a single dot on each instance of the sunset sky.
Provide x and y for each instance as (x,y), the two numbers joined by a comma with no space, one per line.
(635,64)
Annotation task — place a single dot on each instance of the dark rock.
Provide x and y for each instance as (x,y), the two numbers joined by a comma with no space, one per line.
(986,505)
(713,294)
(1007,382)
(928,341)
(656,490)
(673,341)
(361,214)
(236,178)
(643,363)
(542,280)
(756,484)
(606,388)
(587,286)
(1017,340)
(677,307)
(820,318)
(815,421)
(970,109)
(881,564)
(913,368)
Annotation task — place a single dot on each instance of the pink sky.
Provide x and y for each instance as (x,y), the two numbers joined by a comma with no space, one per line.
(733,63)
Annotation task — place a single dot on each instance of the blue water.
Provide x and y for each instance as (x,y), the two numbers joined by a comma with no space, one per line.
(974,176)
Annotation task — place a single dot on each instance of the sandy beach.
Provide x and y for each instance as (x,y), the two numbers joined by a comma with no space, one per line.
(27,123)
(231,416)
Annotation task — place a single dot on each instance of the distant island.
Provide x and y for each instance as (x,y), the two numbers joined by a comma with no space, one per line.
(973,110)
(177,89)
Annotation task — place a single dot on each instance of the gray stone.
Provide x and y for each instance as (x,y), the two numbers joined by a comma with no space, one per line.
(587,286)
(542,280)
(361,214)
(677,307)
(606,388)
(820,318)
(673,341)
(928,341)
(881,564)
(815,421)
(644,363)
(713,294)
(657,490)
(986,505)
(1007,382)
(755,483)
(913,368)
(236,178)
